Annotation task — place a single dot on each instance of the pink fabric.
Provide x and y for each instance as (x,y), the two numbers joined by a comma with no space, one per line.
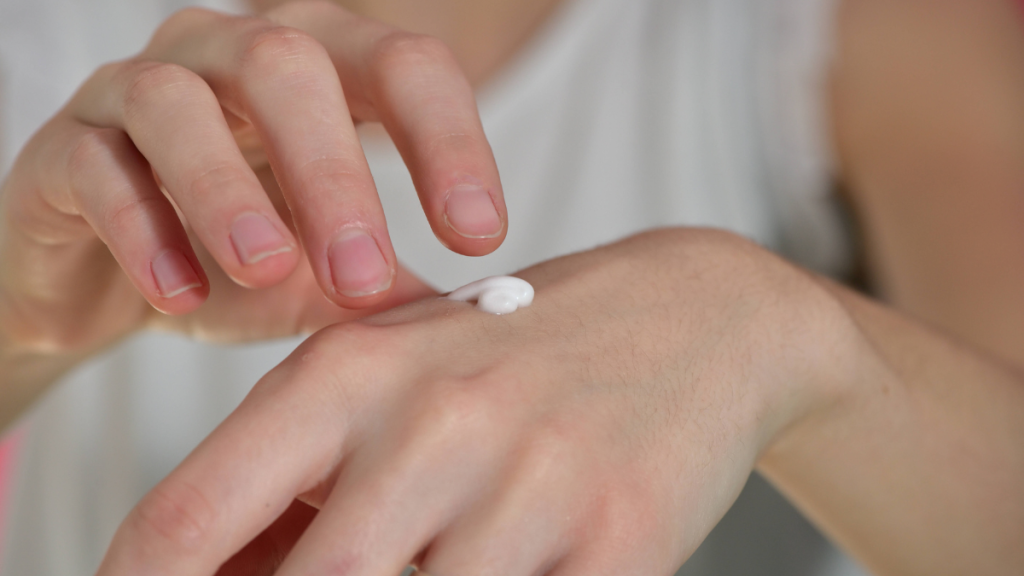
(8,456)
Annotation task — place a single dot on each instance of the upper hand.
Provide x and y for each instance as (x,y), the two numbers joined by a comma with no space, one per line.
(603,430)
(207,120)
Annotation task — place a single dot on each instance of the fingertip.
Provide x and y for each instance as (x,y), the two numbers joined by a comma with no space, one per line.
(268,271)
(256,238)
(265,249)
(469,246)
(179,284)
(472,246)
(361,268)
(473,220)
(183,303)
(174,273)
(471,212)
(363,302)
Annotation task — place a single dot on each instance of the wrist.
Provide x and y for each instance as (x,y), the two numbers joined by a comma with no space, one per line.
(784,343)
(839,372)
(818,354)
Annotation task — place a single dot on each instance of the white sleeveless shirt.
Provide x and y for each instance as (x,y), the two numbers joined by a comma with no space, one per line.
(620,115)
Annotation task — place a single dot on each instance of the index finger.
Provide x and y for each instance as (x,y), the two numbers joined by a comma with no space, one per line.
(275,446)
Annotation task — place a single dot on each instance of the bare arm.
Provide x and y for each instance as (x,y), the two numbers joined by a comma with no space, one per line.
(918,468)
(929,123)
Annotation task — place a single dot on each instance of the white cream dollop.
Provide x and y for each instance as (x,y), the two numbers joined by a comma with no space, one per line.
(497,294)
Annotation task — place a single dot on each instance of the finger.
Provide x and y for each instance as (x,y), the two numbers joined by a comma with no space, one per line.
(295,306)
(283,82)
(176,122)
(266,552)
(415,87)
(394,495)
(520,531)
(529,520)
(317,313)
(276,445)
(108,183)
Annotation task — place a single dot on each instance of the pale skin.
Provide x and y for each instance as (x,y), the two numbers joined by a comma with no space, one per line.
(421,434)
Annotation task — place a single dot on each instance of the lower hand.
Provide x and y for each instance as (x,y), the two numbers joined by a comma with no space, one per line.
(603,430)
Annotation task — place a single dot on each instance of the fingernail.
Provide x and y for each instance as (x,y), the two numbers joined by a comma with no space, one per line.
(174,274)
(470,212)
(357,266)
(255,238)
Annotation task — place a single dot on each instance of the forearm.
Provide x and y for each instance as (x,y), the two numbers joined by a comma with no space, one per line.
(918,469)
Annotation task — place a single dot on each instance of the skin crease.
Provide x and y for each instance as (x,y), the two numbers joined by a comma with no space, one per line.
(852,410)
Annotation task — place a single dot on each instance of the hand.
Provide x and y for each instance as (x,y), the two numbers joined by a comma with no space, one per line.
(603,430)
(158,181)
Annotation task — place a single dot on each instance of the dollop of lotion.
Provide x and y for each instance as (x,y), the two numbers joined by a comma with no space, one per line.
(497,294)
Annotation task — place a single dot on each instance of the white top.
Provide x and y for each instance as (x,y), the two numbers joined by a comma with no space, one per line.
(620,116)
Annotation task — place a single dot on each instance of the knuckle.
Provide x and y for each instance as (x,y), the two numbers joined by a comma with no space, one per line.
(48,337)
(178,516)
(626,521)
(212,181)
(341,367)
(462,408)
(179,22)
(458,143)
(147,83)
(302,10)
(189,16)
(94,147)
(64,339)
(180,27)
(325,175)
(552,447)
(351,338)
(398,51)
(342,563)
(48,219)
(350,349)
(132,215)
(109,70)
(271,47)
